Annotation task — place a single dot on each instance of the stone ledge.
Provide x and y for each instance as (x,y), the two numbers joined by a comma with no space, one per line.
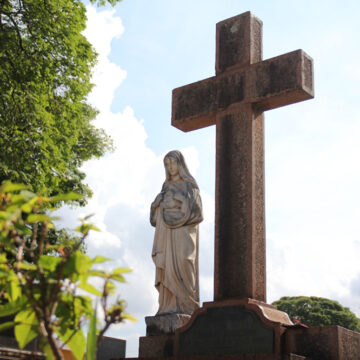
(226,357)
(323,342)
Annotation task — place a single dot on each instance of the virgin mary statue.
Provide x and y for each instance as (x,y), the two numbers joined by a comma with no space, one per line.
(176,213)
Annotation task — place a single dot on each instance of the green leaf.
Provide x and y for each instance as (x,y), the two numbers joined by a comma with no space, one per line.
(99,273)
(117,277)
(27,266)
(48,352)
(91,338)
(66,197)
(7,325)
(26,208)
(13,307)
(76,342)
(14,289)
(85,303)
(89,288)
(83,262)
(33,218)
(3,258)
(25,331)
(77,264)
(129,317)
(8,186)
(77,345)
(27,195)
(49,263)
(121,270)
(24,230)
(99,259)
(116,274)
(85,228)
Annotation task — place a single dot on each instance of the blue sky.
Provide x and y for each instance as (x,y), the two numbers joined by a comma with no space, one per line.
(147,48)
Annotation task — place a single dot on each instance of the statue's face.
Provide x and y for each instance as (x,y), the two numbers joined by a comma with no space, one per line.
(171,166)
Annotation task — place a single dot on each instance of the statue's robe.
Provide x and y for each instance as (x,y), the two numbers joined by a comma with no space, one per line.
(176,247)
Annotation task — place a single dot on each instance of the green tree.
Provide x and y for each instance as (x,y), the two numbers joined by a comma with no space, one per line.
(317,311)
(45,70)
(42,293)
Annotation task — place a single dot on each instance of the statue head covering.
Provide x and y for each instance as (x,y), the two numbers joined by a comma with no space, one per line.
(183,169)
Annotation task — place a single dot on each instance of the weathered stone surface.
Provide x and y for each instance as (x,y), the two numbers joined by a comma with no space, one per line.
(234,99)
(230,89)
(223,325)
(269,84)
(280,81)
(111,348)
(323,343)
(227,330)
(238,42)
(232,327)
(197,102)
(156,346)
(240,212)
(165,323)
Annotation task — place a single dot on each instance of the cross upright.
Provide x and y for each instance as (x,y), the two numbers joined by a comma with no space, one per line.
(234,100)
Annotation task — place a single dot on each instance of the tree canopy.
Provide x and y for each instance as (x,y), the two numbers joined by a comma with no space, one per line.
(317,311)
(45,71)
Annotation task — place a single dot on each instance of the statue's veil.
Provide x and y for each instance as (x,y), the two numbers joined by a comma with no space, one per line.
(183,169)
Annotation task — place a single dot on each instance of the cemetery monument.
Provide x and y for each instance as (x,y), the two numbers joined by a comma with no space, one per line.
(239,324)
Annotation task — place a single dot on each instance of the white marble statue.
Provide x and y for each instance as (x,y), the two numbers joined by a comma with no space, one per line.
(176,213)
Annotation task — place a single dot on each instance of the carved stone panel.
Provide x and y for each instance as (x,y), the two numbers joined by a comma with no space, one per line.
(226,330)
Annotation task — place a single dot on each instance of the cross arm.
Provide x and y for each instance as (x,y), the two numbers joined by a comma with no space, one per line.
(280,81)
(194,105)
(268,84)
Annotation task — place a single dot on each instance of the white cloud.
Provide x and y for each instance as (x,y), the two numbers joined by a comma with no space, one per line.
(102,28)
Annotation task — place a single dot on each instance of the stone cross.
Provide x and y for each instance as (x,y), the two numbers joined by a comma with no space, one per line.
(235,99)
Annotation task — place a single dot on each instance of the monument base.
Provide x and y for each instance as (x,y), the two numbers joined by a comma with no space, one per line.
(244,329)
(232,327)
(160,330)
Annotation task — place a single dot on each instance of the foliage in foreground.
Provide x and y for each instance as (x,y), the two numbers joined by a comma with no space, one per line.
(317,311)
(45,72)
(46,287)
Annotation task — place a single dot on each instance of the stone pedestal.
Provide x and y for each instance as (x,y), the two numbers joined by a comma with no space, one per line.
(232,327)
(165,323)
(160,330)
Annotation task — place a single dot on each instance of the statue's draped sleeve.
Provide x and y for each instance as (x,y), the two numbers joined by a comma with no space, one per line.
(196,214)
